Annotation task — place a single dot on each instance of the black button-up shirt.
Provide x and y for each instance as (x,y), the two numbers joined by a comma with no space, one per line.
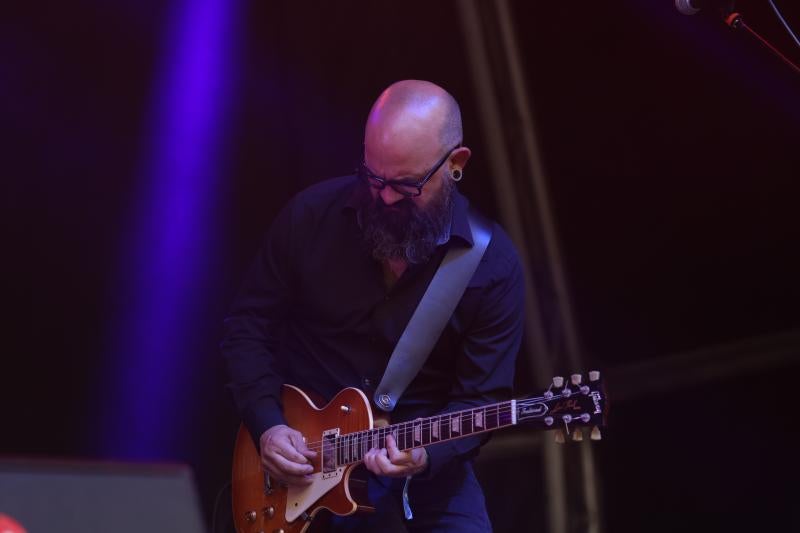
(314,311)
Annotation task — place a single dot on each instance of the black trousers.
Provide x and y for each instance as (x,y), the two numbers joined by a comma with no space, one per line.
(450,502)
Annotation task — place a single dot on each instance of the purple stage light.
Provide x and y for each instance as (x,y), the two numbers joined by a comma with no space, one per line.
(172,223)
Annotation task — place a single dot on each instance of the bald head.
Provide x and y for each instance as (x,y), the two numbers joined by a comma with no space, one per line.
(414,113)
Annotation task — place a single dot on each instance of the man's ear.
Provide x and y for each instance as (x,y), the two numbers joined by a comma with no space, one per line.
(460,157)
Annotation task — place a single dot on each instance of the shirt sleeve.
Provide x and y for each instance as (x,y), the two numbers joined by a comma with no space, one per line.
(485,366)
(253,329)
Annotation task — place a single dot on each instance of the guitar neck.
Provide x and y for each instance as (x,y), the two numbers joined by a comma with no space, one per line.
(351,448)
(578,405)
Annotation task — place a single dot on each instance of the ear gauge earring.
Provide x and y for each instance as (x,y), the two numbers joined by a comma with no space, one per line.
(456,174)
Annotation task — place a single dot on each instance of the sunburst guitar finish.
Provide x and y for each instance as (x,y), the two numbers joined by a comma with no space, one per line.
(261,506)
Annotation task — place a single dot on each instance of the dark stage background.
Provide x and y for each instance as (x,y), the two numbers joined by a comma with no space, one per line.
(670,146)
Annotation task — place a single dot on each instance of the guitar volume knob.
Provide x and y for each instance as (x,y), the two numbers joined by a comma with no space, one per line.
(269,512)
(250,516)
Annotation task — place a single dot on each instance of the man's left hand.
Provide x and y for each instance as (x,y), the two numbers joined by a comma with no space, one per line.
(391,462)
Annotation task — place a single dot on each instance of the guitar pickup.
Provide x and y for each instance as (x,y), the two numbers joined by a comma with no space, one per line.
(329,462)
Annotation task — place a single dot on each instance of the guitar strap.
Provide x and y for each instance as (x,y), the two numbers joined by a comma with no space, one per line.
(432,313)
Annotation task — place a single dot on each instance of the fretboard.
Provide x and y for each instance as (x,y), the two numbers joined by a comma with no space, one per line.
(352,447)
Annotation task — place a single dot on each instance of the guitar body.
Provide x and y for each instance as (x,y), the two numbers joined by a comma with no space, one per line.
(258,507)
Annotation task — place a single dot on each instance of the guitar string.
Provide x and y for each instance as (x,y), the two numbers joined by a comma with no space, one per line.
(358,450)
(343,442)
(350,440)
(427,423)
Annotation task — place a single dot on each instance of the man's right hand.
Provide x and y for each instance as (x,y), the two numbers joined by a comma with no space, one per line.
(285,455)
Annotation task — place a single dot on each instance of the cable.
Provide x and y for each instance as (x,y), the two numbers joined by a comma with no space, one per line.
(216,506)
(785,24)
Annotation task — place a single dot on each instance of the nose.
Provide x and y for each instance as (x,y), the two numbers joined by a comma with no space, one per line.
(390,196)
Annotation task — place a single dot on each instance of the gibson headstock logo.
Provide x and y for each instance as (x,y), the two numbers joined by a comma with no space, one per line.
(596,399)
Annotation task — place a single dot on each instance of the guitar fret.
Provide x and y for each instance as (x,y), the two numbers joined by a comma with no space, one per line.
(491,418)
(504,418)
(479,418)
(466,423)
(455,424)
(417,429)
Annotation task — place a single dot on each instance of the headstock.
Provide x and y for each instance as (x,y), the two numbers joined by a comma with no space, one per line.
(567,407)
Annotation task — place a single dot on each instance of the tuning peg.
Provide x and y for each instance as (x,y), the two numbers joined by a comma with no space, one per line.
(596,433)
(594,375)
(577,434)
(560,437)
(558,382)
(576,379)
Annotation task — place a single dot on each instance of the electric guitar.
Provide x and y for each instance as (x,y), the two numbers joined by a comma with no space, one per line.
(344,430)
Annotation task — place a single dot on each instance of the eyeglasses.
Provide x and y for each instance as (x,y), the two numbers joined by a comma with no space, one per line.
(405,186)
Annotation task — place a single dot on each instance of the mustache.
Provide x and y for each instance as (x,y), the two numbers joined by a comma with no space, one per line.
(404,229)
(394,219)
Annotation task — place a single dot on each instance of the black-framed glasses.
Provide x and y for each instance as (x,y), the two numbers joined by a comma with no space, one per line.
(408,187)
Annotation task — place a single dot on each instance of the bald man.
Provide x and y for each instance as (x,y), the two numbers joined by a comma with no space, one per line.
(340,272)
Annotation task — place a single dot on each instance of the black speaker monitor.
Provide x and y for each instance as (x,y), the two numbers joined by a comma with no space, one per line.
(89,497)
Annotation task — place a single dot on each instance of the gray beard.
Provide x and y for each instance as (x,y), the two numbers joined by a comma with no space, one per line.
(407,232)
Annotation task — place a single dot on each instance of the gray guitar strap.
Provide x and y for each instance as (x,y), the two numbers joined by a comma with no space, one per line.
(432,313)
